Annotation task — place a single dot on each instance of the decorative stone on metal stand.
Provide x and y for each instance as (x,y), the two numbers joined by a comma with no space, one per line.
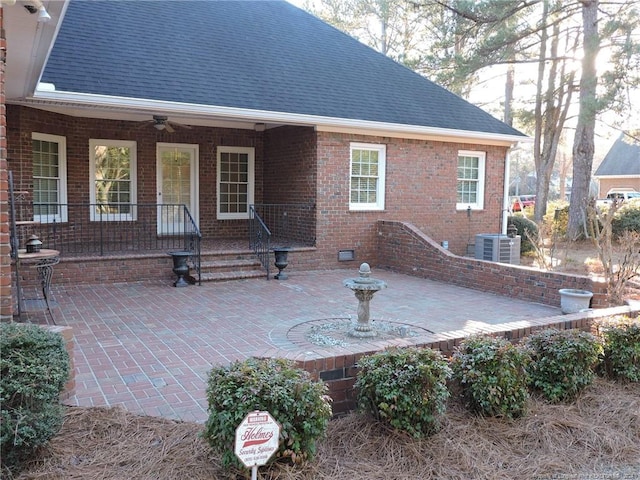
(364,288)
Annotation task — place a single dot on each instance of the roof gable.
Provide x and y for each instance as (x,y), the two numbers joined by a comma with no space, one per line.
(260,55)
(623,159)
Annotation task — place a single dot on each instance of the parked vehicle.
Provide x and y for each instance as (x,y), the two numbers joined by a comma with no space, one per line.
(521,202)
(618,195)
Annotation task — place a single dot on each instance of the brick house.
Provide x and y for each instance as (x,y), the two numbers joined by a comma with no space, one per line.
(620,168)
(119,113)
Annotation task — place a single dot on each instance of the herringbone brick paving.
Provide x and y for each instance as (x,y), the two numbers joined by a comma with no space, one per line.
(149,346)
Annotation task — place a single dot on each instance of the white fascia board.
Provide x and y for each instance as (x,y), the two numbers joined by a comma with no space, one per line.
(46,34)
(417,132)
(321,123)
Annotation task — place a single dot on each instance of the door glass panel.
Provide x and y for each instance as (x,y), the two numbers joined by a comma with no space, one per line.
(176,188)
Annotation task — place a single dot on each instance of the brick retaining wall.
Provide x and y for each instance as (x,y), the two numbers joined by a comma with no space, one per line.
(403,248)
(338,366)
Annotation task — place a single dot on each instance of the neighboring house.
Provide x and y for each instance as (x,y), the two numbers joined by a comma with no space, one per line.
(281,109)
(620,168)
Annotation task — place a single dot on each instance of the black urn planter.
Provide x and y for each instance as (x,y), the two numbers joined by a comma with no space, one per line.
(281,262)
(180,267)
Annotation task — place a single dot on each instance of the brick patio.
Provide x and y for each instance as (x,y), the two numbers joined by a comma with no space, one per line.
(149,346)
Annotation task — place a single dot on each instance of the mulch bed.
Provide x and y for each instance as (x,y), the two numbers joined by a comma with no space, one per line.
(596,437)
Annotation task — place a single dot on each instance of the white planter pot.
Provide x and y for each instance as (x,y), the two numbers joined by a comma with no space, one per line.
(572,300)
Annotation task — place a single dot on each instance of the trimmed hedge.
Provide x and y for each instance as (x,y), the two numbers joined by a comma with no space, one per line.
(564,362)
(298,403)
(621,354)
(405,388)
(627,218)
(493,375)
(34,367)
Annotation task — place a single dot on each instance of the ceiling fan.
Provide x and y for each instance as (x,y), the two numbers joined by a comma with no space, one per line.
(161,122)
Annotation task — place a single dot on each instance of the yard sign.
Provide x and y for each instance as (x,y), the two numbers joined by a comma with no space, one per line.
(257,438)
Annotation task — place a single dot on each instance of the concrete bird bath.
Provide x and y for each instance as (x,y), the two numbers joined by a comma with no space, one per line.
(364,288)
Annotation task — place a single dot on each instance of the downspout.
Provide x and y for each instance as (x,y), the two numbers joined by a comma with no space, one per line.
(505,193)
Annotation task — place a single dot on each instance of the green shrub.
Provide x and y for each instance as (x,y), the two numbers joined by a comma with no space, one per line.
(563,362)
(525,225)
(621,355)
(557,217)
(493,376)
(405,388)
(627,218)
(299,404)
(34,367)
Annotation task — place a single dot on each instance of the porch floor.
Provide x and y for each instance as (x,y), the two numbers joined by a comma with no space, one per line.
(150,346)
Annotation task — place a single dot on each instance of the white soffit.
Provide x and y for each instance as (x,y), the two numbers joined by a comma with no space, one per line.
(196,114)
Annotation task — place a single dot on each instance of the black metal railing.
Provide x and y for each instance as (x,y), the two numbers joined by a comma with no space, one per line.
(259,238)
(108,229)
(192,242)
(289,223)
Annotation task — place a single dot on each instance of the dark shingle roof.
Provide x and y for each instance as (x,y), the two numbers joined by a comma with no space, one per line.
(262,55)
(623,158)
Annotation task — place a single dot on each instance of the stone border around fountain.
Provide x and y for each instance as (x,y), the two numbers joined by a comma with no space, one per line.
(334,332)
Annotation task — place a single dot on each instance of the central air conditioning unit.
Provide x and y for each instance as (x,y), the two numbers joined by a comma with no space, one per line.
(499,248)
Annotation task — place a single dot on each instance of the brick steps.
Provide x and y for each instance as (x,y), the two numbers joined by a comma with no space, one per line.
(226,276)
(230,265)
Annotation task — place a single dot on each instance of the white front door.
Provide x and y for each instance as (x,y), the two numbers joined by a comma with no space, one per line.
(177,167)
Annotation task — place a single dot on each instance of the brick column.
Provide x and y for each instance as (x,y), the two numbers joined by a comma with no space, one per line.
(6,300)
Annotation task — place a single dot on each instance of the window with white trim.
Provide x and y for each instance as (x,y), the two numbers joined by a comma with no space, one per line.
(113,179)
(367,175)
(235,182)
(49,154)
(470,191)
